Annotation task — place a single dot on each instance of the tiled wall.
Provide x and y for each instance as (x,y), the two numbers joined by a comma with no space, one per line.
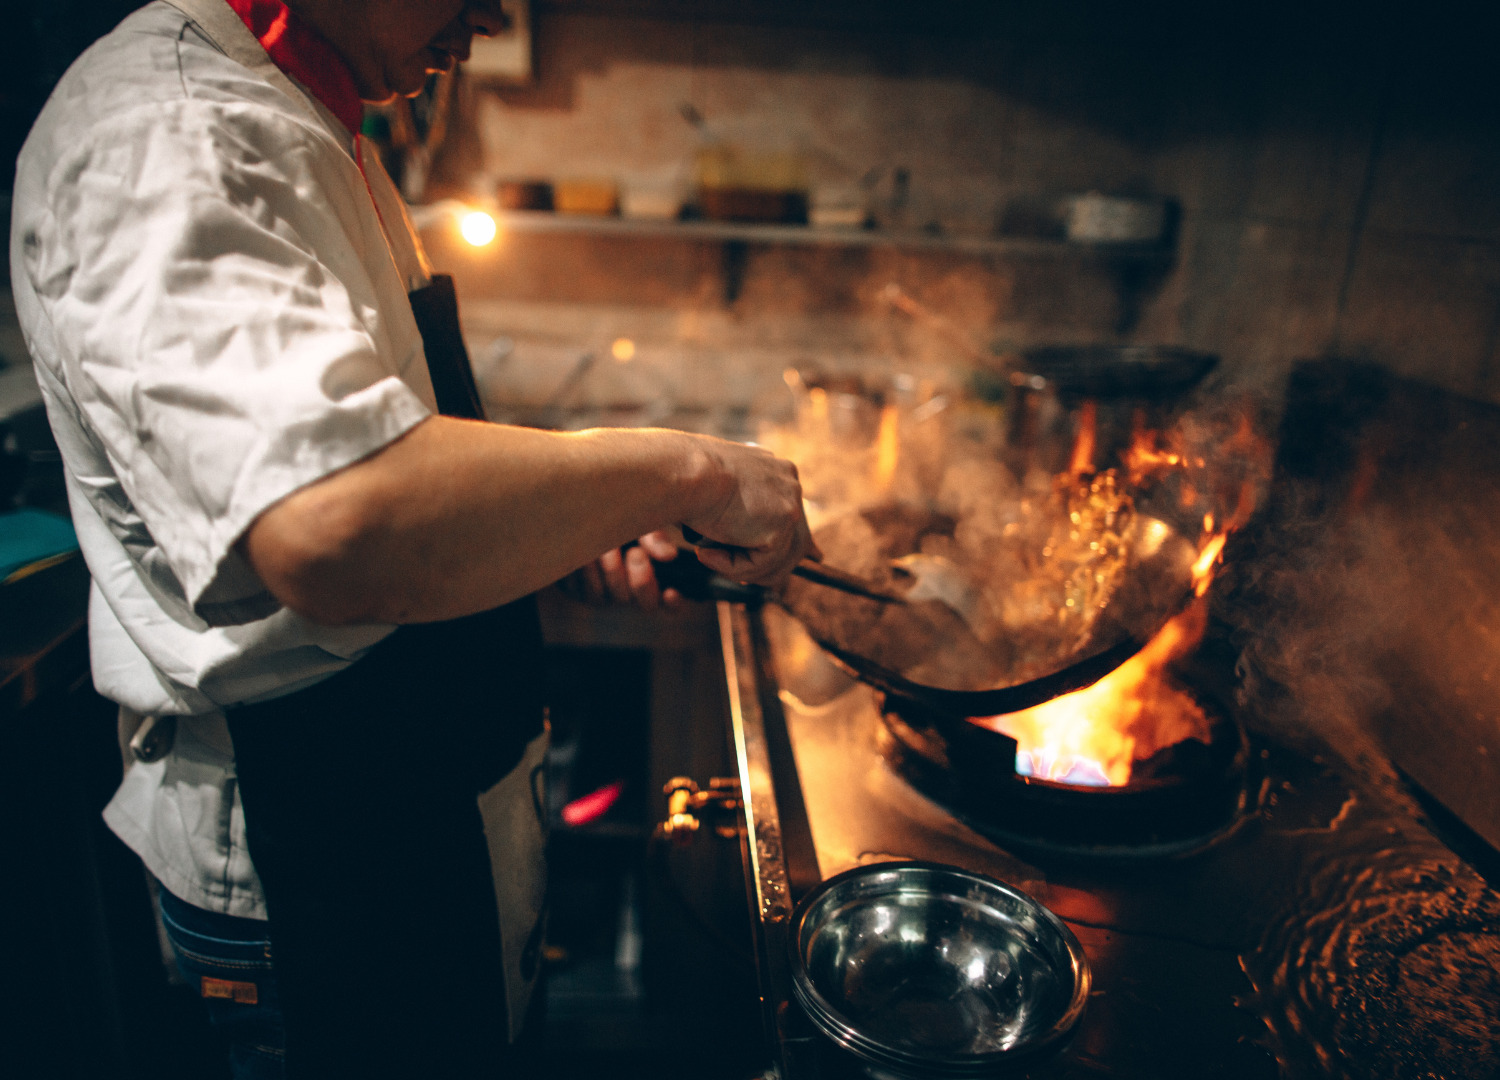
(1338,177)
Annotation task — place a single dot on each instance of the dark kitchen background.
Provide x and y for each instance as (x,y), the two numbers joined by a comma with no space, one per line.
(1326,179)
(1334,168)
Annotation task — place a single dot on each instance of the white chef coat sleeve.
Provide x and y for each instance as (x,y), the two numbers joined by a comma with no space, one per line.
(210,272)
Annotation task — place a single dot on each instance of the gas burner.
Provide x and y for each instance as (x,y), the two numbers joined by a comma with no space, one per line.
(1181,799)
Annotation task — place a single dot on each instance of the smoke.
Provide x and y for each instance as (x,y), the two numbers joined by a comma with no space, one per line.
(1052,538)
(1366,596)
(1300,596)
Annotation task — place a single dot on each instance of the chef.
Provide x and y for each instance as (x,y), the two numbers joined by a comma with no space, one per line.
(309,555)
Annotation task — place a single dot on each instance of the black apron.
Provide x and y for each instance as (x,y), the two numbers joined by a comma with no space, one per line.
(361,797)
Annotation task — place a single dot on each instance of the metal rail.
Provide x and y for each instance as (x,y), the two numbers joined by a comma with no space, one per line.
(793,1044)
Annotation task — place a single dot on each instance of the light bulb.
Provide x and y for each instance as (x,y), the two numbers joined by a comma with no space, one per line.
(478,228)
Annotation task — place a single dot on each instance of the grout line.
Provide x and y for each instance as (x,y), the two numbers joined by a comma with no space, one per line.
(1157,935)
(1366,192)
(1485,376)
(1210,217)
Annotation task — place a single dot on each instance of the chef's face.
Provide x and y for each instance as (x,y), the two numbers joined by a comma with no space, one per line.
(393,45)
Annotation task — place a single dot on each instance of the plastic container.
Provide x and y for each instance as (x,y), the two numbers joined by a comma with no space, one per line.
(651,199)
(587,196)
(1093,218)
(524,195)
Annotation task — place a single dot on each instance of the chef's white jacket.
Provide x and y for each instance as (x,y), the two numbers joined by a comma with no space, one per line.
(214,295)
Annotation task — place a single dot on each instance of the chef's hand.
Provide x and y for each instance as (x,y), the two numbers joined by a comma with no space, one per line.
(759,520)
(626,576)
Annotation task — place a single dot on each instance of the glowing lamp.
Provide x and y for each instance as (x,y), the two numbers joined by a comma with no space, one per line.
(478,228)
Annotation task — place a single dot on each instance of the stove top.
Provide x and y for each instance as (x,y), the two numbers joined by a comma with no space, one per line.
(1328,932)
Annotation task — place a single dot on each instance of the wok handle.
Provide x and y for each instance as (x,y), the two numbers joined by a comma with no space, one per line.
(808,569)
(697,582)
(698,540)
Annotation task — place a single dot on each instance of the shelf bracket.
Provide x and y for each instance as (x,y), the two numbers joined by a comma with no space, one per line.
(734,258)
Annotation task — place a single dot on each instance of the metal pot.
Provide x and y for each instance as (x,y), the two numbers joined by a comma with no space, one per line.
(1124,389)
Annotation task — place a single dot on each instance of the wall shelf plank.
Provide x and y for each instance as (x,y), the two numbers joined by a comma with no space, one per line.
(541,222)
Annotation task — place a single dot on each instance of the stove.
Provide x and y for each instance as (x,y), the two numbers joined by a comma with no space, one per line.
(1325,923)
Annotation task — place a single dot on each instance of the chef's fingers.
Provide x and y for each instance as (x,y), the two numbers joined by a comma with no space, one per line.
(592,582)
(659,545)
(761,518)
(571,586)
(770,565)
(616,584)
(641,579)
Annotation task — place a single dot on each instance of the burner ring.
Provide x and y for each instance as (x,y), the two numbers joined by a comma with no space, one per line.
(971,770)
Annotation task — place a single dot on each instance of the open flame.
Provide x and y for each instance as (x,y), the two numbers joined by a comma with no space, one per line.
(1093,737)
(1146,456)
(1208,558)
(887,447)
(1083,444)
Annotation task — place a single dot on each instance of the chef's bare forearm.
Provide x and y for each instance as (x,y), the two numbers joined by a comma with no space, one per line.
(459,516)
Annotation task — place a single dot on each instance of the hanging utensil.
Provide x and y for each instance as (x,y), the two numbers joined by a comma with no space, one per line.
(898,298)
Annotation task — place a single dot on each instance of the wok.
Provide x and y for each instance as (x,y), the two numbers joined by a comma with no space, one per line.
(1114,371)
(928,653)
(891,646)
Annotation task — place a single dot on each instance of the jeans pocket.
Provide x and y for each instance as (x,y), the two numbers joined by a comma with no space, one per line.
(228,961)
(205,950)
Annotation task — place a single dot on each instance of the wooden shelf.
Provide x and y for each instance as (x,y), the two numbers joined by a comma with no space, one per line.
(535,222)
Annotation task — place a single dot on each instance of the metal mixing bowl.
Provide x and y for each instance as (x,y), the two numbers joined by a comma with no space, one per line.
(931,971)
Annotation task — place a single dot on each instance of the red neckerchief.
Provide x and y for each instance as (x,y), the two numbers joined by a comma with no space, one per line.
(304,54)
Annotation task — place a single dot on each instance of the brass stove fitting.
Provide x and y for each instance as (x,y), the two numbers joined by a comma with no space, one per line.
(687,803)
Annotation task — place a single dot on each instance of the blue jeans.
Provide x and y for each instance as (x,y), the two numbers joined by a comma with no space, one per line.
(227,960)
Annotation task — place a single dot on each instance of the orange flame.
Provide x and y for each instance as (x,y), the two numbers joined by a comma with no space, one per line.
(817,400)
(1211,466)
(1130,714)
(1203,566)
(1083,446)
(1144,457)
(887,446)
(1096,735)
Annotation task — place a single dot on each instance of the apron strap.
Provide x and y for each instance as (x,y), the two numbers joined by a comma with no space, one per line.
(436,309)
